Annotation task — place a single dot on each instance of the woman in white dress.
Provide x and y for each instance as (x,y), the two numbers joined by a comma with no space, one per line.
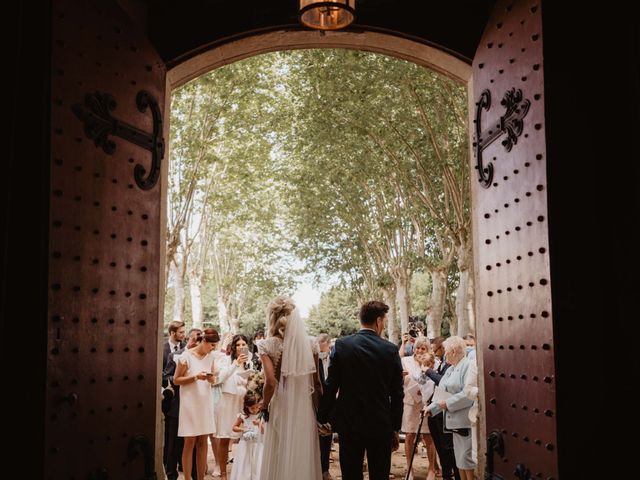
(291,447)
(195,373)
(248,454)
(233,381)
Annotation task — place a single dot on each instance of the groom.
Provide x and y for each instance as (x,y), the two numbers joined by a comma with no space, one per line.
(366,374)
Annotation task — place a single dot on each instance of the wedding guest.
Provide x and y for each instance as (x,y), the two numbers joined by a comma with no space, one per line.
(192,341)
(175,341)
(248,454)
(413,404)
(324,347)
(220,359)
(406,348)
(195,373)
(470,342)
(457,404)
(173,444)
(192,337)
(442,440)
(233,383)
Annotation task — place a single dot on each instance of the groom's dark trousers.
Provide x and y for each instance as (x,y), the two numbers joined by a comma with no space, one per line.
(366,375)
(352,449)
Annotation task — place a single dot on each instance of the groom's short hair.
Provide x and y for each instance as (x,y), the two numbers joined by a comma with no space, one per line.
(370,311)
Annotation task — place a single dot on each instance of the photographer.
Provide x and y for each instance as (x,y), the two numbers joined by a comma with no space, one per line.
(408,341)
(233,380)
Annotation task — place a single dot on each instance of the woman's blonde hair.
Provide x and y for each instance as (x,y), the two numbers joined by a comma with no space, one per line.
(278,312)
(456,347)
(422,341)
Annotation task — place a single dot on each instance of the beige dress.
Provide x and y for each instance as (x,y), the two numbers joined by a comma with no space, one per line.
(411,408)
(196,408)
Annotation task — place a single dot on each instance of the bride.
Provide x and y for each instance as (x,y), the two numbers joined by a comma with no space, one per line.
(289,359)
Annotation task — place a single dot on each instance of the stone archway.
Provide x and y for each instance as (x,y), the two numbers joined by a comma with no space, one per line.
(369,41)
(247,46)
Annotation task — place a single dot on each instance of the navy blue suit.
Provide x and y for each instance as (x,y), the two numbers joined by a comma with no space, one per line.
(173,444)
(365,373)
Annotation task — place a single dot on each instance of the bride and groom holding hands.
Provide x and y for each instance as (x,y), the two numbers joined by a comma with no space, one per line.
(362,399)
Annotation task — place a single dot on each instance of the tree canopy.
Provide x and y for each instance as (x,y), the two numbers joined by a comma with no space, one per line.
(351,163)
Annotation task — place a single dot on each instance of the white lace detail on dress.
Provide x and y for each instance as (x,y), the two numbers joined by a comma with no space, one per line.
(272,347)
(315,348)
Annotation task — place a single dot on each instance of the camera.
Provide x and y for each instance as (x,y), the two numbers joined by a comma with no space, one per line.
(416,327)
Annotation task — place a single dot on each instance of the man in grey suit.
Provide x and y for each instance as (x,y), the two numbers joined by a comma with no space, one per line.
(365,373)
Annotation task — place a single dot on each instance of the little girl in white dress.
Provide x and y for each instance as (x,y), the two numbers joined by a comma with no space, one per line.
(248,455)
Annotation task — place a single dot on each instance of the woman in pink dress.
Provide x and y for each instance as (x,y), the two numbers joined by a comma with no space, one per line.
(413,403)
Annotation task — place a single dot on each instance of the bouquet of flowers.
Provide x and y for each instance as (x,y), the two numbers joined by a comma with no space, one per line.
(255,384)
(250,435)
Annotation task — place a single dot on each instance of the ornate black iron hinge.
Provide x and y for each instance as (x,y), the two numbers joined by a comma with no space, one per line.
(495,444)
(510,123)
(142,444)
(99,124)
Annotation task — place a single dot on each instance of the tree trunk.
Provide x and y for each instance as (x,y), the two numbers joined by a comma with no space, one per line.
(462,303)
(389,297)
(436,303)
(401,279)
(222,312)
(471,306)
(178,288)
(195,283)
(234,323)
(453,322)
(462,297)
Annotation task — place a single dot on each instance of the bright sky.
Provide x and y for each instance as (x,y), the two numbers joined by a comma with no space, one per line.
(308,293)
(306,297)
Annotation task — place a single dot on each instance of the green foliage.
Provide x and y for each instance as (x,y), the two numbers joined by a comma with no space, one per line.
(335,314)
(337,158)
(420,290)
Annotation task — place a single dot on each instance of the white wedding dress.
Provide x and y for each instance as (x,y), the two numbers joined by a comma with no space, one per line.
(291,447)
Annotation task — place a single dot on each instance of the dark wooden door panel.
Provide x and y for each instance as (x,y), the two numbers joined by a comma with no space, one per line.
(514,310)
(104,247)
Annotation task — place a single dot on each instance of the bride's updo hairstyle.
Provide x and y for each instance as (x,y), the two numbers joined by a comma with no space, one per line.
(278,311)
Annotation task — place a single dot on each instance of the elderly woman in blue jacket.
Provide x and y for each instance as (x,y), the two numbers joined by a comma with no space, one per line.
(456,403)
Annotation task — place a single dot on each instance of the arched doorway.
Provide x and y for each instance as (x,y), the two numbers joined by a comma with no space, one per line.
(106,218)
(525,220)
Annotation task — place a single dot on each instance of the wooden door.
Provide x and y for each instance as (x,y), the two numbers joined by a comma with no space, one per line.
(511,242)
(107,93)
